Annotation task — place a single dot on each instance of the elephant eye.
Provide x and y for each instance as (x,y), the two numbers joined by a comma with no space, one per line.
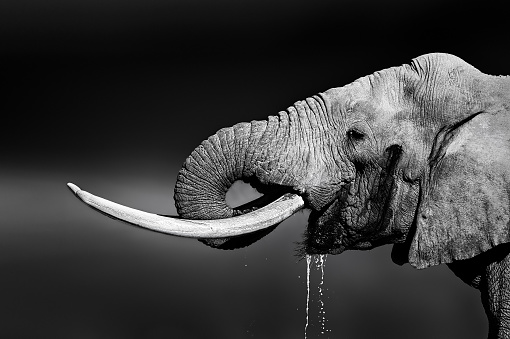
(355,135)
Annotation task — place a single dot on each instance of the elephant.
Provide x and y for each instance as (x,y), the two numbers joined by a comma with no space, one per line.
(417,156)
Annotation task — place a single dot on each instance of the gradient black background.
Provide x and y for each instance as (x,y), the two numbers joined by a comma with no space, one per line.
(113,95)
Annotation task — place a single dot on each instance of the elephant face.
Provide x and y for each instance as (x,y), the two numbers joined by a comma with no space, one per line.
(375,206)
(414,155)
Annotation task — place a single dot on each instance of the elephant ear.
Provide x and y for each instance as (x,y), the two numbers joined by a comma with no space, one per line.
(465,204)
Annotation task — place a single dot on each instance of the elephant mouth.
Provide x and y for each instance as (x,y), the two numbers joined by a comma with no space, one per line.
(322,239)
(260,214)
(326,234)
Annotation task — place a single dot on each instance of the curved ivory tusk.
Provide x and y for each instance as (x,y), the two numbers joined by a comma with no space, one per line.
(264,217)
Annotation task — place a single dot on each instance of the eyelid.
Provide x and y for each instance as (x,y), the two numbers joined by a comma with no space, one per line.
(356,125)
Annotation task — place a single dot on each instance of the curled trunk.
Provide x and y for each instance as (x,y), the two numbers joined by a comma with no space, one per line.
(272,155)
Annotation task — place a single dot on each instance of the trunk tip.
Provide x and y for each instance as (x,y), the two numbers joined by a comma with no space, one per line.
(73,187)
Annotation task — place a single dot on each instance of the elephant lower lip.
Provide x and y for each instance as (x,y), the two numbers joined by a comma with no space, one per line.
(315,250)
(337,250)
(314,246)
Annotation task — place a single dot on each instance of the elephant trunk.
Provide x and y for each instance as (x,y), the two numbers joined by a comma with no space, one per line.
(271,155)
(212,168)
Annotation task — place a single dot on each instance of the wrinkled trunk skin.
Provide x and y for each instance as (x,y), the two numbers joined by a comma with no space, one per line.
(269,154)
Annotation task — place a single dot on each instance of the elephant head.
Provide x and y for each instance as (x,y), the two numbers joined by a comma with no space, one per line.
(416,155)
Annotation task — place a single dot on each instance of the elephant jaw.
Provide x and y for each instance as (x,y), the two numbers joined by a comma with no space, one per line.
(267,216)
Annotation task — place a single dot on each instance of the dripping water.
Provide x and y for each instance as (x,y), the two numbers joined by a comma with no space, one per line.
(308,264)
(322,313)
(319,261)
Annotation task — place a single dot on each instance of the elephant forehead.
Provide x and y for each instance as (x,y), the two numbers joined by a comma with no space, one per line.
(385,105)
(382,90)
(348,95)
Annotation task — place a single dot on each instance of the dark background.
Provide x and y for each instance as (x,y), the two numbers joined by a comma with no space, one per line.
(113,95)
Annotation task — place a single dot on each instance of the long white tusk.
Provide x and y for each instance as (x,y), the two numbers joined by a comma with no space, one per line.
(267,216)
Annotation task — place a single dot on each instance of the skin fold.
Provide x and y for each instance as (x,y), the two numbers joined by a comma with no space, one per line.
(417,156)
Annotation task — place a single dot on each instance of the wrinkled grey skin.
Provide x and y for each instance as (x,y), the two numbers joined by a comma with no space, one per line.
(416,155)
